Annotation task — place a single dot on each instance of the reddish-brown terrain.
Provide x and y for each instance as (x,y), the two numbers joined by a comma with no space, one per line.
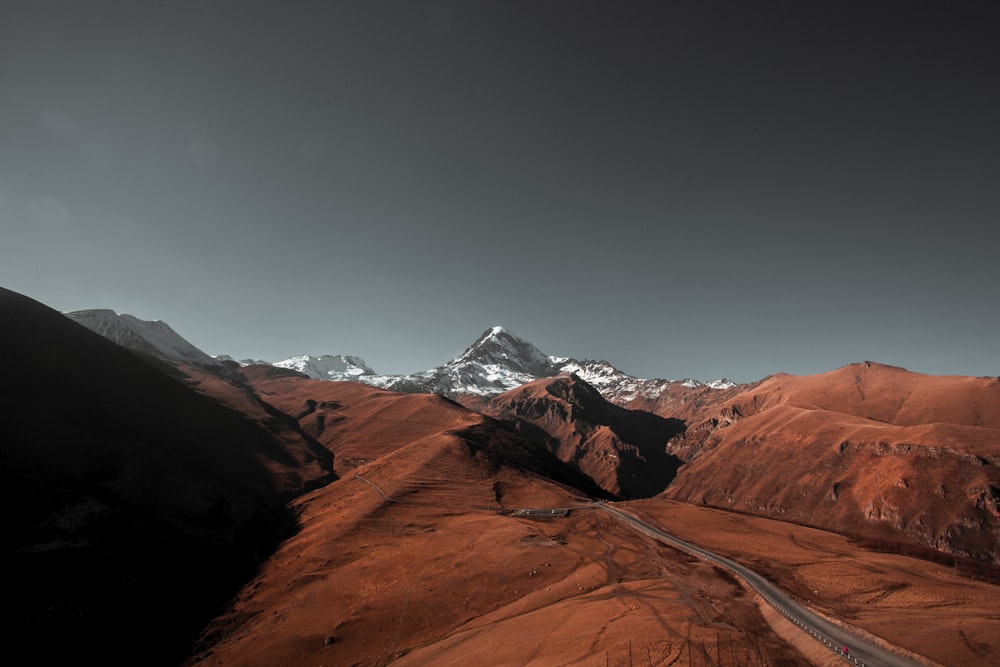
(417,559)
(866,449)
(146,502)
(358,423)
(418,556)
(923,608)
(623,450)
(415,562)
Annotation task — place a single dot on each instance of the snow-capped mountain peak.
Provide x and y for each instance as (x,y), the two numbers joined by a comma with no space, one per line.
(328,366)
(723,383)
(499,347)
(241,362)
(498,361)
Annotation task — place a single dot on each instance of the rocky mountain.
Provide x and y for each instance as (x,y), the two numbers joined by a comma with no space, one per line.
(623,450)
(328,367)
(499,361)
(496,362)
(683,399)
(751,447)
(145,498)
(154,338)
(867,449)
(437,547)
(225,358)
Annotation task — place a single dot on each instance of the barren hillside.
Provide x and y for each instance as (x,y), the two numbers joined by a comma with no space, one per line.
(866,449)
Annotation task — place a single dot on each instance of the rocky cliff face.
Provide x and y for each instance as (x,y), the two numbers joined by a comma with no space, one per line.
(623,450)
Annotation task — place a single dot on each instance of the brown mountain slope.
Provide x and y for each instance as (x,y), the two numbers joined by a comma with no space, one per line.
(624,451)
(866,449)
(417,558)
(360,423)
(881,393)
(332,412)
(919,606)
(125,493)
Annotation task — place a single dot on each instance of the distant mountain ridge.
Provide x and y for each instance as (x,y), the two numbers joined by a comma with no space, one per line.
(496,362)
(154,338)
(328,366)
(868,450)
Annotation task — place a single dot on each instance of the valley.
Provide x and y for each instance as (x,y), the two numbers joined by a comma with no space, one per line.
(430,333)
(338,522)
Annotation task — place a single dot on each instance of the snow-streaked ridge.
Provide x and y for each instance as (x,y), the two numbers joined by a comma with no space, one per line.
(241,362)
(498,361)
(328,366)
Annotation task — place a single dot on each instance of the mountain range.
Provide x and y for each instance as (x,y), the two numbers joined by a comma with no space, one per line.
(496,362)
(194,510)
(155,338)
(127,495)
(873,427)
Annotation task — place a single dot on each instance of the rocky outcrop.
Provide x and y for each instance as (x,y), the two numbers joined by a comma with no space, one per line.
(623,450)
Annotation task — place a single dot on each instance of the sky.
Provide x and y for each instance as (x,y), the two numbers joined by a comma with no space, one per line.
(684,189)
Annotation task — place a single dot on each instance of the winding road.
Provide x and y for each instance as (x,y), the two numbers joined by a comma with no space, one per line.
(860,651)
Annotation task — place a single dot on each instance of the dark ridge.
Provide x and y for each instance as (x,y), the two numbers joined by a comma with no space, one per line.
(644,467)
(134,506)
(501,446)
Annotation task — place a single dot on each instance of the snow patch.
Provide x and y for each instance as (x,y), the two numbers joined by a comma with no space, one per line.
(328,367)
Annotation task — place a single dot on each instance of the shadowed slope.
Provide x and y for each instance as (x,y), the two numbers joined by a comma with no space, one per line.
(622,450)
(313,462)
(127,495)
(154,338)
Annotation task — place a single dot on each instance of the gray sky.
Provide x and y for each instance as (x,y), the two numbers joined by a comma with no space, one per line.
(698,189)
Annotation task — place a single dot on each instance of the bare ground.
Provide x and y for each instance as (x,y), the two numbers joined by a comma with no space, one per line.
(435,581)
(923,607)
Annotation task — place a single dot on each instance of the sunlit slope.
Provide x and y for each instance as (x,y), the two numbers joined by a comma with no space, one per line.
(865,449)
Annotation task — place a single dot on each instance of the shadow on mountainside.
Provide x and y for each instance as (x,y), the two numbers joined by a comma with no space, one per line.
(133,506)
(650,469)
(623,451)
(501,446)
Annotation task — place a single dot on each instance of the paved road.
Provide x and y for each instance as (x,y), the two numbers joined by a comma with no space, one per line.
(861,651)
